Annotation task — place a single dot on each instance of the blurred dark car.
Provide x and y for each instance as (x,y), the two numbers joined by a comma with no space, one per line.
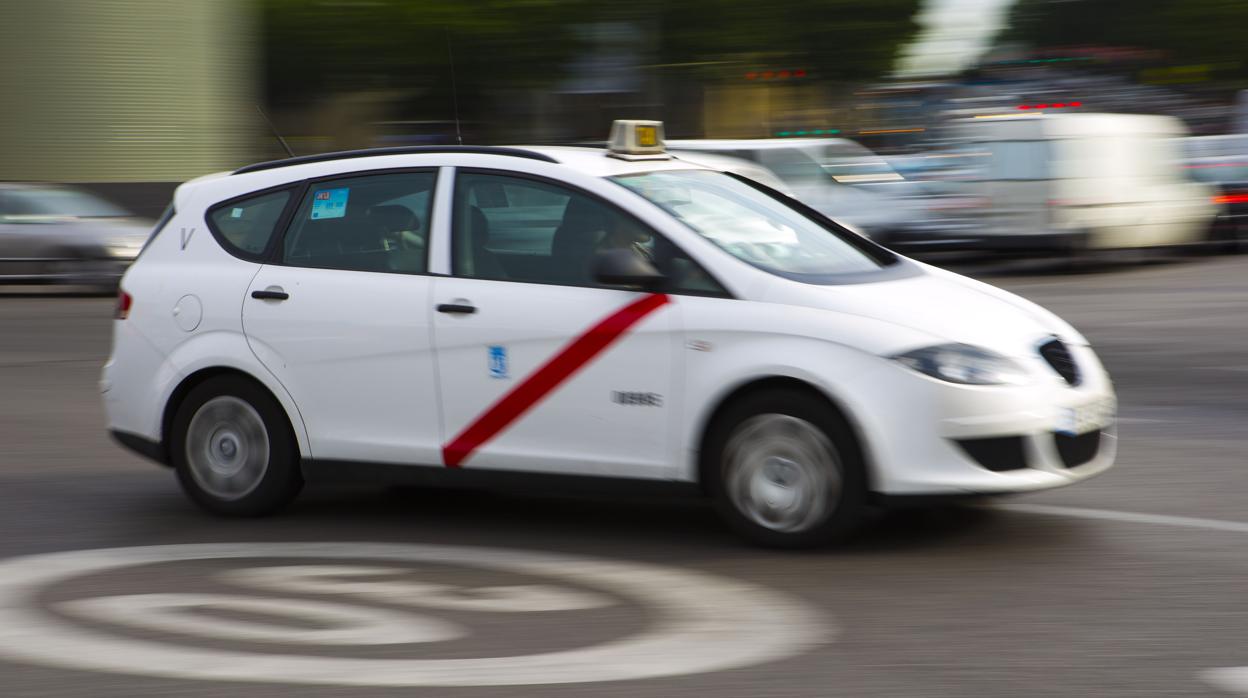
(59,234)
(1231,225)
(1230,176)
(1222,161)
(836,176)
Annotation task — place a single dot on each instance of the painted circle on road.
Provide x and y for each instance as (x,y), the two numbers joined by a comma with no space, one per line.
(701,622)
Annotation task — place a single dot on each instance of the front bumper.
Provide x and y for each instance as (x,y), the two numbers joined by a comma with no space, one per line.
(926,444)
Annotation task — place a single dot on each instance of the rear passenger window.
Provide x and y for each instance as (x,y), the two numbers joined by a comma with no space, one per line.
(369,223)
(247,225)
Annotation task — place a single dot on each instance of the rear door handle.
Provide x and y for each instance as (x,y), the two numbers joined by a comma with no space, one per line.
(274,293)
(457,308)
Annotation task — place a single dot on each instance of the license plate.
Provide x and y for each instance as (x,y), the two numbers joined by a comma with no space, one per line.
(1072,421)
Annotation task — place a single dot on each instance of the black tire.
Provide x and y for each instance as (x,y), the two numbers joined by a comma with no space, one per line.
(845,506)
(1226,236)
(1078,254)
(266,480)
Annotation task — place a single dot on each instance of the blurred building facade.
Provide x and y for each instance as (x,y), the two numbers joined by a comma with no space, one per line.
(126,90)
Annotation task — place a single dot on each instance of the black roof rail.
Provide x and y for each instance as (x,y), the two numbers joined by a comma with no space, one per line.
(397,150)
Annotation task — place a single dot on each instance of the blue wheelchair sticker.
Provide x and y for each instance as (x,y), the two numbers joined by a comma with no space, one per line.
(498,361)
(330,203)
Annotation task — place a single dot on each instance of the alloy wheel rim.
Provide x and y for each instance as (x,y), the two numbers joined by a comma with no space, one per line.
(227,447)
(782,473)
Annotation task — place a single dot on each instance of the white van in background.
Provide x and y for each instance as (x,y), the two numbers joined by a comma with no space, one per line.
(1073,182)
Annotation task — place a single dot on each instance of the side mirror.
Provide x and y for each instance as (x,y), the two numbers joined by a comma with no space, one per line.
(626,267)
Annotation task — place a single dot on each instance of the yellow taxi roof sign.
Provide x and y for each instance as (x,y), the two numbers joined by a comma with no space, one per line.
(633,139)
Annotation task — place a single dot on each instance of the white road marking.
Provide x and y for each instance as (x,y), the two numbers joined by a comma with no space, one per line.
(701,623)
(336,579)
(347,624)
(1127,517)
(1230,679)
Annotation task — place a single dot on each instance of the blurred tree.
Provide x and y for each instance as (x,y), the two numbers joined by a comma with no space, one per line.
(315,50)
(1188,31)
(836,40)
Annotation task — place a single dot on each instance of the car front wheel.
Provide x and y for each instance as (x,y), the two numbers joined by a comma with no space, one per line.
(785,471)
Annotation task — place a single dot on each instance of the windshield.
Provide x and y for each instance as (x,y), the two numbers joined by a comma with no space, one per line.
(60,202)
(751,225)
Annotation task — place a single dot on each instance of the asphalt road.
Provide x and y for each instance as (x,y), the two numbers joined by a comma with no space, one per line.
(1095,590)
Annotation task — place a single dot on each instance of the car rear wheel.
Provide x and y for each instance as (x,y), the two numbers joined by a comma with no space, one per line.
(784,470)
(233,449)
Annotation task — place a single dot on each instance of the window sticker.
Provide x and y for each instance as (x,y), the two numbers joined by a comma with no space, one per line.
(498,361)
(236,212)
(330,203)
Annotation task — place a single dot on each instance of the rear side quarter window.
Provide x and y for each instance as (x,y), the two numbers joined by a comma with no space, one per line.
(165,217)
(365,222)
(246,226)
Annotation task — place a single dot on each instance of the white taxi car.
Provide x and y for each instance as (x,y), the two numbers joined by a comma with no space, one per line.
(573,311)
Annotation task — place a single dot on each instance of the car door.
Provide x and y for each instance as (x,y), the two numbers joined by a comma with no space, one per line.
(341,317)
(541,368)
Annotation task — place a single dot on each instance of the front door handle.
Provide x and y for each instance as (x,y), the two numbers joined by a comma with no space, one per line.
(272,293)
(457,308)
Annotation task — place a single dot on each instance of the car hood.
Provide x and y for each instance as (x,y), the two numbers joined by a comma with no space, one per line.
(937,306)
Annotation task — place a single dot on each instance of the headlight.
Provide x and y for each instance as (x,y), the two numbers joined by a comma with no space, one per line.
(965,364)
(122,249)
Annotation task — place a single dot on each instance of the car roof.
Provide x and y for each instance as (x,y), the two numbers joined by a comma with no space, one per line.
(760,143)
(592,161)
(596,162)
(377,152)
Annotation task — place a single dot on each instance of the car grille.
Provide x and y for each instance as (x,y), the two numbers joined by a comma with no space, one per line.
(1058,356)
(998,454)
(1077,450)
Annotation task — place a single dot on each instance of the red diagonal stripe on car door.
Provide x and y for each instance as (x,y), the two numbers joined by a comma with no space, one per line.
(573,357)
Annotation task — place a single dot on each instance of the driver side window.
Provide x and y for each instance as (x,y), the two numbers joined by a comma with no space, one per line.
(518,229)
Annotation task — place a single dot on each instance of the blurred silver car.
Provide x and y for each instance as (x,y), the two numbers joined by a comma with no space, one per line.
(59,234)
(837,177)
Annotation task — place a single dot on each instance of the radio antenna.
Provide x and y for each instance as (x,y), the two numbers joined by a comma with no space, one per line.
(277,135)
(459,136)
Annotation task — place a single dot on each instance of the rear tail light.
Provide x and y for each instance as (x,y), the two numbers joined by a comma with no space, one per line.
(124,301)
(1231,199)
